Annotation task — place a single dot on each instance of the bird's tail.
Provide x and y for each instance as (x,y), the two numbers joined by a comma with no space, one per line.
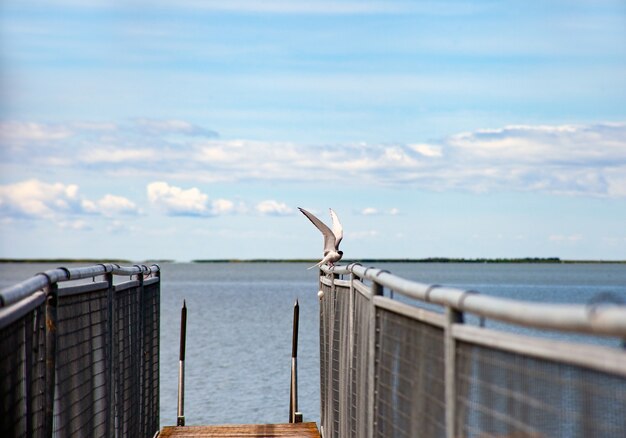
(316,265)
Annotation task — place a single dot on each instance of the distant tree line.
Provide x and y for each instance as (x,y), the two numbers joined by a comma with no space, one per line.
(66,260)
(408,260)
(464,260)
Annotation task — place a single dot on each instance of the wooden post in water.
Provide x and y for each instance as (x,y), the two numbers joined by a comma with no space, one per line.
(294,415)
(181,367)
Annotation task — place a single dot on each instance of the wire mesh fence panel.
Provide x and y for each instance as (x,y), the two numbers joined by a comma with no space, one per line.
(341,359)
(409,377)
(23,375)
(127,360)
(13,396)
(359,370)
(326,317)
(81,360)
(40,422)
(150,359)
(510,394)
(81,405)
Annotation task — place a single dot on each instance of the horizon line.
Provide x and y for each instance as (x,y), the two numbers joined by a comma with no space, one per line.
(553,260)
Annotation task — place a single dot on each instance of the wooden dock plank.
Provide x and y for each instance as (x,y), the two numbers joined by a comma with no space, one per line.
(302,430)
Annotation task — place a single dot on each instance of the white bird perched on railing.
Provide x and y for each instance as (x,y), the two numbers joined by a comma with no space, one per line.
(332,238)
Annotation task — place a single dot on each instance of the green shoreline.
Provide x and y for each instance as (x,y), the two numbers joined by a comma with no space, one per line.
(67,260)
(550,260)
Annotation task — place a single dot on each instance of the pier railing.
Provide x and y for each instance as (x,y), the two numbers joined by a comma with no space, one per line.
(79,353)
(417,367)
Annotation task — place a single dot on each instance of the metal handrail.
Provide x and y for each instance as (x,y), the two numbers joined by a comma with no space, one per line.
(580,318)
(41,281)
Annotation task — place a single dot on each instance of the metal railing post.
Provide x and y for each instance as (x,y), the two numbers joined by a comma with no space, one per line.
(331,358)
(29,329)
(157,316)
(376,290)
(51,351)
(351,347)
(112,405)
(323,353)
(453,316)
(139,366)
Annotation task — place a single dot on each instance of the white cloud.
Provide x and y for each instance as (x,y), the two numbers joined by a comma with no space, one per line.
(118,155)
(36,199)
(299,7)
(117,226)
(244,159)
(159,126)
(137,144)
(562,144)
(103,127)
(216,154)
(397,156)
(20,132)
(369,211)
(286,7)
(372,211)
(559,159)
(75,225)
(427,150)
(89,206)
(111,205)
(274,208)
(222,206)
(176,201)
(567,159)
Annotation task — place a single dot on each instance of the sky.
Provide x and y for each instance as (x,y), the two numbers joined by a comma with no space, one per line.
(194,129)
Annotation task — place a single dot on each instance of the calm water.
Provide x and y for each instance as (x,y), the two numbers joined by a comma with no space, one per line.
(240,315)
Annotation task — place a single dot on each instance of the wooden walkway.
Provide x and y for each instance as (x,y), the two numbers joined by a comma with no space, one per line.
(301,430)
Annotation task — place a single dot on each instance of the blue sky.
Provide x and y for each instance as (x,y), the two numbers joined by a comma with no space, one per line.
(193,129)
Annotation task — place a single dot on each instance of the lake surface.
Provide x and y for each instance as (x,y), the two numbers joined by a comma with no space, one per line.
(240,316)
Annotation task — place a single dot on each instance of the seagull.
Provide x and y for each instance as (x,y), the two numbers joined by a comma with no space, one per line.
(331,238)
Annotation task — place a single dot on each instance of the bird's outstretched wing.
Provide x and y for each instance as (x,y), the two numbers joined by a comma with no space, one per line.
(337,228)
(329,237)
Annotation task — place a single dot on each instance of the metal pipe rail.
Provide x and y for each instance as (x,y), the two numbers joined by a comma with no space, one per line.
(42,280)
(390,368)
(580,318)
